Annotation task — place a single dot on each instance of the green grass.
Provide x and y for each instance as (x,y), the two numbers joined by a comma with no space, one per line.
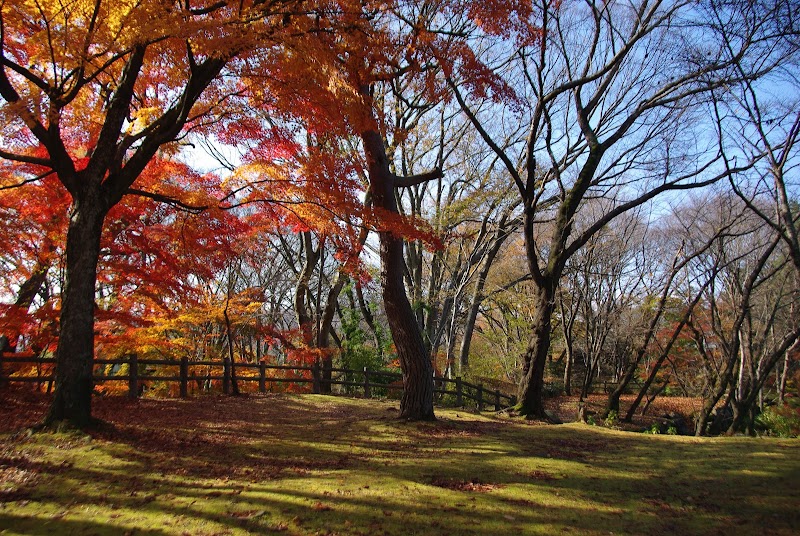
(321,465)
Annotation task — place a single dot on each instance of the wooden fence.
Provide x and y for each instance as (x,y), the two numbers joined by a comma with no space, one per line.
(140,372)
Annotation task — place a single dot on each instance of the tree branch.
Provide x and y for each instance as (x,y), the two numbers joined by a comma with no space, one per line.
(26,181)
(26,159)
(413,180)
(177,203)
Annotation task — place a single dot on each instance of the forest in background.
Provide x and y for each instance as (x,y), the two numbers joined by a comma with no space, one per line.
(551,195)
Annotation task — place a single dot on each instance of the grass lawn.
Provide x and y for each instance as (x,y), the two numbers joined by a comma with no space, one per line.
(310,464)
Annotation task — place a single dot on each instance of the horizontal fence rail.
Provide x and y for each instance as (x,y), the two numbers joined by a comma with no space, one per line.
(138,374)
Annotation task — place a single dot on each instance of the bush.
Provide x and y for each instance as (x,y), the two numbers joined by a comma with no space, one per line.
(612,419)
(783,421)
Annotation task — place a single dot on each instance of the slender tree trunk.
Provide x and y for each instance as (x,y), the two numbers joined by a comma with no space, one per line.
(633,366)
(701,425)
(369,319)
(27,292)
(31,287)
(72,403)
(302,289)
(588,377)
(477,298)
(231,353)
(567,323)
(417,400)
(783,377)
(664,353)
(325,329)
(469,329)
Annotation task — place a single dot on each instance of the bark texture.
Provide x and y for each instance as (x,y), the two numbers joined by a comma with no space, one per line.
(531,387)
(75,354)
(417,400)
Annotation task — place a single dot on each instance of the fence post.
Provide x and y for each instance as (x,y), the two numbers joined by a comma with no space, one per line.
(133,376)
(315,373)
(459,392)
(184,377)
(367,390)
(262,377)
(226,375)
(480,397)
(497,400)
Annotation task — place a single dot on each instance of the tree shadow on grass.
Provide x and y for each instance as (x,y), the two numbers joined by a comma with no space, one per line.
(34,526)
(303,465)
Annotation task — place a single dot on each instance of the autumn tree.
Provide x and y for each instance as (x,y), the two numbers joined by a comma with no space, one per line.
(92,92)
(678,290)
(32,228)
(331,77)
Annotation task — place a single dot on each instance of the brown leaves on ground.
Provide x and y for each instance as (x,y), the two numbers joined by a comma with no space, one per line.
(214,431)
(463,485)
(542,475)
(566,408)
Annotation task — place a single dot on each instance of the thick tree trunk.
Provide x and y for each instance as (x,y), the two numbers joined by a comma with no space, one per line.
(417,400)
(75,353)
(531,387)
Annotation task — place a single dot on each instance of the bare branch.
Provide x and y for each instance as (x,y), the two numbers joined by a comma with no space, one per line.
(177,203)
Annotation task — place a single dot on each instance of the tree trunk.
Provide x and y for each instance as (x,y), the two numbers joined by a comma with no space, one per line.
(568,358)
(630,370)
(302,290)
(417,400)
(369,319)
(783,377)
(469,329)
(231,353)
(326,327)
(709,403)
(531,387)
(27,292)
(477,297)
(588,377)
(664,353)
(72,403)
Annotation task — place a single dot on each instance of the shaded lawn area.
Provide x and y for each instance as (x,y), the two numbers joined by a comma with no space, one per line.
(310,464)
